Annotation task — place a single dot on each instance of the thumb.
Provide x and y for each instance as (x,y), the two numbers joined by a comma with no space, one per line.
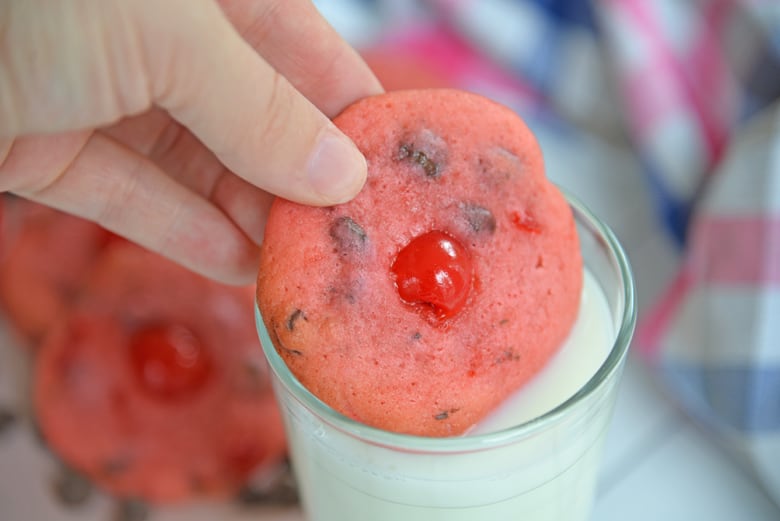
(259,126)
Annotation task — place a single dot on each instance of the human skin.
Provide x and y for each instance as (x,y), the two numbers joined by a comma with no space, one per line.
(175,123)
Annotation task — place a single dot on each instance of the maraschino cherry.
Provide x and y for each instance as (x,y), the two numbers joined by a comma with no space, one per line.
(434,270)
(169,361)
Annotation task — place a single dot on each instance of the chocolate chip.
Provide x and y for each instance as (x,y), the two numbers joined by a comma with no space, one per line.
(443,415)
(294,317)
(426,150)
(70,487)
(479,218)
(430,168)
(509,355)
(499,166)
(348,234)
(277,341)
(344,292)
(417,335)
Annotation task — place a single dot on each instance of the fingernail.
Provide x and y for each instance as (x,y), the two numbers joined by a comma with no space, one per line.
(337,169)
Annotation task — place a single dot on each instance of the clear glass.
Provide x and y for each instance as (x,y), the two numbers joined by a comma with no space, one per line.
(543,469)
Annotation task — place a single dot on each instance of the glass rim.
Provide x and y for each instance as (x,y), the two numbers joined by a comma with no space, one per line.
(473,442)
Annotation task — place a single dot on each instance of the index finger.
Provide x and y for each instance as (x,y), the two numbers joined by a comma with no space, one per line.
(294,38)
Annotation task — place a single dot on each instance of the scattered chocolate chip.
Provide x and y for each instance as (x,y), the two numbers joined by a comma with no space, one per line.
(348,234)
(346,290)
(294,317)
(277,487)
(479,218)
(404,151)
(430,168)
(295,352)
(132,510)
(7,419)
(276,339)
(509,355)
(70,487)
(426,150)
(417,335)
(499,166)
(443,415)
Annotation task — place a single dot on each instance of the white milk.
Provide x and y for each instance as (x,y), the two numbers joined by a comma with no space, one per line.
(546,474)
(578,359)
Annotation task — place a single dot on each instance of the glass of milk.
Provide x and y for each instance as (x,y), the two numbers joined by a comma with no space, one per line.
(536,458)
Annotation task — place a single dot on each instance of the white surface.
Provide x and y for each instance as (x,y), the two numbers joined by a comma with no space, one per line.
(660,467)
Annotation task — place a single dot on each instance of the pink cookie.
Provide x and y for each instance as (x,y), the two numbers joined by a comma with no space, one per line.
(155,386)
(444,286)
(48,255)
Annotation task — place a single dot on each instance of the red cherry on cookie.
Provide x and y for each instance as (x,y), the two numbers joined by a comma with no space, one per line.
(434,269)
(169,361)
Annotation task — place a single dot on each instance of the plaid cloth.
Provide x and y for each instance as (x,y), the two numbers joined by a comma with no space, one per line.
(690,89)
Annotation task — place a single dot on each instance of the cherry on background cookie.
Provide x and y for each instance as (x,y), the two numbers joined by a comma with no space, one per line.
(444,286)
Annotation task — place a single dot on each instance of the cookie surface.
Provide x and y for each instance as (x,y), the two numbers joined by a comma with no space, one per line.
(46,259)
(443,286)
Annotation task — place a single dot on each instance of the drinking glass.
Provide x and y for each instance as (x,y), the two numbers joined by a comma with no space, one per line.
(544,469)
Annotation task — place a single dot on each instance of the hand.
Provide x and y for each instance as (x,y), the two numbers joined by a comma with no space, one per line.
(172,122)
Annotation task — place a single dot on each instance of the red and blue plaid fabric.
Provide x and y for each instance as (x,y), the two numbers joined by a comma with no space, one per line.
(692,89)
